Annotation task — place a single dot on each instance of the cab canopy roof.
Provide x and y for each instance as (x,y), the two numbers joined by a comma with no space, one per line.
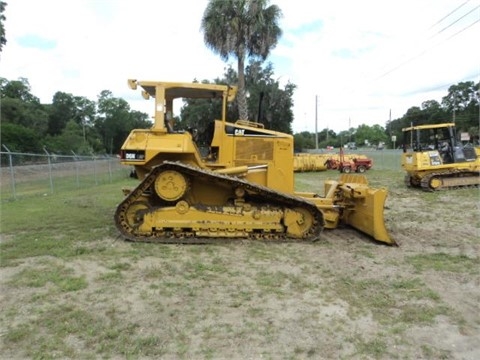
(175,90)
(430,126)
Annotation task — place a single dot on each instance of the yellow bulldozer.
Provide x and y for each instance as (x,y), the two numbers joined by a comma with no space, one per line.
(434,158)
(241,188)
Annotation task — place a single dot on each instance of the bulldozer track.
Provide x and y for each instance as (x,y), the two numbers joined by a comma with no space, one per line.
(453,179)
(188,235)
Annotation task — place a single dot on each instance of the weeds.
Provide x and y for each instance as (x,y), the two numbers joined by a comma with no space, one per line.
(445,262)
(54,274)
(69,290)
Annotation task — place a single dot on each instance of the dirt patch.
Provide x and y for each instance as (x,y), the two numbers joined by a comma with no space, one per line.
(342,297)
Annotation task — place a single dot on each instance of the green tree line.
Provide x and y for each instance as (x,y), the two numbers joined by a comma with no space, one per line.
(69,123)
(73,123)
(460,105)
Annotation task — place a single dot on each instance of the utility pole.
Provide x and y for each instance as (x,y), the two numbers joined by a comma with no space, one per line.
(392,137)
(349,131)
(454,106)
(316,122)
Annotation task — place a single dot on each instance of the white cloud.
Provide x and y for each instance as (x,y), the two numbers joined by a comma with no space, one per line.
(361,58)
(396,49)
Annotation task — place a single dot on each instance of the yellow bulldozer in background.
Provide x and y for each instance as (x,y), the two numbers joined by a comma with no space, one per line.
(434,158)
(243,188)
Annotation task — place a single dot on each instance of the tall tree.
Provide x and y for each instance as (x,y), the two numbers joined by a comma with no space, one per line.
(462,104)
(71,139)
(460,96)
(20,107)
(372,135)
(199,114)
(275,112)
(62,111)
(3,39)
(304,140)
(85,113)
(17,89)
(19,138)
(66,107)
(271,104)
(115,120)
(242,29)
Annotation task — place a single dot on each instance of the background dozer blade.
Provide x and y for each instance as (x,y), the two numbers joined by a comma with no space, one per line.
(367,215)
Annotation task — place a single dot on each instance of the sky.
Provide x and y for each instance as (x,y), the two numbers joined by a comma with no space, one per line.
(353,62)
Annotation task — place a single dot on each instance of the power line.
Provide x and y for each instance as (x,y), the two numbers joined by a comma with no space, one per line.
(450,13)
(425,48)
(428,49)
(439,32)
(465,28)
(460,18)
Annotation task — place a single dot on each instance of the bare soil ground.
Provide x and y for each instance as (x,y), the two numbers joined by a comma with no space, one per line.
(342,297)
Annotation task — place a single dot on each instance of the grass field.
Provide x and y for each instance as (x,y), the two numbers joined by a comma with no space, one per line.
(71,288)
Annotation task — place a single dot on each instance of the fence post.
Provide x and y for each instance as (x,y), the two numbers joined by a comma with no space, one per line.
(94,169)
(12,173)
(76,168)
(49,169)
(110,168)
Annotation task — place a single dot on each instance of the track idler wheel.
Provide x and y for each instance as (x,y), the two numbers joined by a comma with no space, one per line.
(435,183)
(135,213)
(410,181)
(171,185)
(298,222)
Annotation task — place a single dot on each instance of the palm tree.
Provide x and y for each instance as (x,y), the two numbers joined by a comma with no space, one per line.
(243,29)
(3,39)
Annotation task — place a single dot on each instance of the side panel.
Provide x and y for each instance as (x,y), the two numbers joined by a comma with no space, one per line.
(416,161)
(432,160)
(145,149)
(236,145)
(276,152)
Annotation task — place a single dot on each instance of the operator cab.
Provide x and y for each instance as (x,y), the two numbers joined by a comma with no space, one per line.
(439,141)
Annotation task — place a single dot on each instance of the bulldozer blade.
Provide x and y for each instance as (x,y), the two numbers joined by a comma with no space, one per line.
(367,215)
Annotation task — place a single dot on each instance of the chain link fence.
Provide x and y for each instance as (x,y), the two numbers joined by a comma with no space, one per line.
(387,159)
(24,174)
